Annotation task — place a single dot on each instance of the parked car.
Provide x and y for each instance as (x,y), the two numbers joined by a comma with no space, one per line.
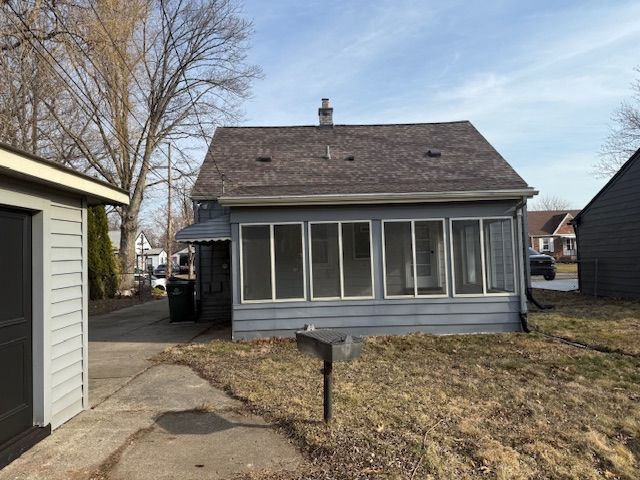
(542,264)
(159,282)
(161,270)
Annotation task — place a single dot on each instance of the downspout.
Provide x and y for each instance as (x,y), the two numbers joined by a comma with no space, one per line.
(524,259)
(523,266)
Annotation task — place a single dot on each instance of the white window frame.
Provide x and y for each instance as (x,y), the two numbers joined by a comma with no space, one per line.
(413,253)
(548,241)
(484,293)
(340,260)
(272,251)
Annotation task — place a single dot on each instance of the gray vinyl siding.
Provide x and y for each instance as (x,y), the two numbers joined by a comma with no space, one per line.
(378,316)
(67,325)
(60,318)
(609,238)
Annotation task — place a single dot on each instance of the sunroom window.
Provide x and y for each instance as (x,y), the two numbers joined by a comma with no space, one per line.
(341,260)
(477,272)
(415,262)
(272,262)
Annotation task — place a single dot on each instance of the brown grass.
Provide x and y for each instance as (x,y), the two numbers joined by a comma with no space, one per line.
(567,268)
(511,406)
(604,323)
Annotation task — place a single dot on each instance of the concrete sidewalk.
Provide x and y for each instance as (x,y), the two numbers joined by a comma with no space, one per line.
(151,421)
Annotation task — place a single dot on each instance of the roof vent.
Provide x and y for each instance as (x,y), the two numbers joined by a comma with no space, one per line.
(264,158)
(432,152)
(350,158)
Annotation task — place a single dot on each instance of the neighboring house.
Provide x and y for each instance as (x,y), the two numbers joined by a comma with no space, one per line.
(143,247)
(181,258)
(154,257)
(550,232)
(377,229)
(608,230)
(44,295)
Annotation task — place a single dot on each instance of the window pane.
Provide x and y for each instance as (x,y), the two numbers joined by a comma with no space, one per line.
(287,243)
(498,255)
(356,259)
(256,262)
(430,264)
(398,258)
(325,260)
(467,259)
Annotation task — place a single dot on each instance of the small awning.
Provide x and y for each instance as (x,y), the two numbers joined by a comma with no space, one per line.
(214,230)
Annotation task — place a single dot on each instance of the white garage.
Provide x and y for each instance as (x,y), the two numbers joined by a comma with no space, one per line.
(43,295)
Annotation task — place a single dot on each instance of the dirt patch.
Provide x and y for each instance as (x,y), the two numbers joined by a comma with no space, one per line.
(479,406)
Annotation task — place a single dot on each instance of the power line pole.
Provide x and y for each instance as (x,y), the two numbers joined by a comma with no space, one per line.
(169,229)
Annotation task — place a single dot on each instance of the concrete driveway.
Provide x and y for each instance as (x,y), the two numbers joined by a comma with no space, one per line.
(562,283)
(152,421)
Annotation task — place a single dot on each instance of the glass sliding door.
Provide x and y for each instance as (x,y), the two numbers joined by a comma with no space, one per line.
(431,276)
(398,259)
(325,260)
(467,257)
(356,259)
(289,261)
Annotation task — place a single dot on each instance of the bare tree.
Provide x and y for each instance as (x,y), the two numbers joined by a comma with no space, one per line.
(624,136)
(141,73)
(26,80)
(550,203)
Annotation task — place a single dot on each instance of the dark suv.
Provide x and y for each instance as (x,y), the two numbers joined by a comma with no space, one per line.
(542,264)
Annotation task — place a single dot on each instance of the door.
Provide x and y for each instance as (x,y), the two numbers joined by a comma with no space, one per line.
(427,255)
(16,368)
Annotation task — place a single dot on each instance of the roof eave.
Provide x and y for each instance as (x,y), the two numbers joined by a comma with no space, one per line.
(16,163)
(374,198)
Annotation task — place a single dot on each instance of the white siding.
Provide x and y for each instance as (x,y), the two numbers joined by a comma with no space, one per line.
(67,327)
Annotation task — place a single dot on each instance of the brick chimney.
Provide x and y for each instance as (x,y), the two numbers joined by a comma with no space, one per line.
(326,114)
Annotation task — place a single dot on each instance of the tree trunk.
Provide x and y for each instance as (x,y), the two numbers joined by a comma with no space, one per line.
(127,254)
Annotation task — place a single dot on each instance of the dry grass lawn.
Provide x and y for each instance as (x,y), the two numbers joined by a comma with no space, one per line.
(511,406)
(612,325)
(567,268)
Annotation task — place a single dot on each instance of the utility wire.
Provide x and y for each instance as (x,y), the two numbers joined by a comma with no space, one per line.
(193,103)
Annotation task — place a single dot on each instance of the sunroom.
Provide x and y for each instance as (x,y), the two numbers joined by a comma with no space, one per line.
(376,229)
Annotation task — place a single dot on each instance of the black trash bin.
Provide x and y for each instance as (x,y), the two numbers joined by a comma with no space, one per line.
(181,300)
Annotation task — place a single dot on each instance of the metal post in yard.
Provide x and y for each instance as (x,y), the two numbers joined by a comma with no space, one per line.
(328,370)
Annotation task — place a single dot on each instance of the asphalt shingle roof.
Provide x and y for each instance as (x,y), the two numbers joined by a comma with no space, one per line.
(545,222)
(386,159)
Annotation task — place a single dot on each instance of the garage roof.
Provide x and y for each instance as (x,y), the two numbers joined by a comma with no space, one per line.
(20,164)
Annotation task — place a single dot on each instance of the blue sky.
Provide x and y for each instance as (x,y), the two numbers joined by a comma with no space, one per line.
(539,79)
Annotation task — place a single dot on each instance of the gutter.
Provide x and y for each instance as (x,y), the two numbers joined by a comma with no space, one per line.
(371,198)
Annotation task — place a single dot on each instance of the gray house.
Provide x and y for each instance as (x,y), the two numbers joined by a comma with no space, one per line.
(378,229)
(608,233)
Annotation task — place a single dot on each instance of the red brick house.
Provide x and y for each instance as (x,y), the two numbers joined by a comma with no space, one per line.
(551,232)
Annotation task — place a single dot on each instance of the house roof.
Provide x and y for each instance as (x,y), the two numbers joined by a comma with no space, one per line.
(115,235)
(634,158)
(546,222)
(18,163)
(154,251)
(368,161)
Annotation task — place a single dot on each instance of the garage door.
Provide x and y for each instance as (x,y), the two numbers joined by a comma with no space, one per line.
(16,369)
